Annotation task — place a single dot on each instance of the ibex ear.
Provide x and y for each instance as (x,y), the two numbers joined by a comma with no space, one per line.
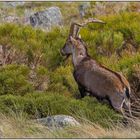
(73,40)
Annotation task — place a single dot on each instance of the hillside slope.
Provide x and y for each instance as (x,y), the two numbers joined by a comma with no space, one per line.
(35,81)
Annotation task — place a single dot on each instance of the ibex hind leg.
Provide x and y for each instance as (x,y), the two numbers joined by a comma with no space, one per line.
(121,110)
(118,103)
(128,118)
(127,105)
(118,106)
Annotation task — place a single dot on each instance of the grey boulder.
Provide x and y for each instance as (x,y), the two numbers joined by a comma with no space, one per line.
(58,121)
(47,18)
(83,7)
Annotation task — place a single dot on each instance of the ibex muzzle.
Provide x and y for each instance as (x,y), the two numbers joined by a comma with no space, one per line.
(67,49)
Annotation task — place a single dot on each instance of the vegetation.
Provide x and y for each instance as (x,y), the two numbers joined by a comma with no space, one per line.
(19,126)
(35,81)
(36,105)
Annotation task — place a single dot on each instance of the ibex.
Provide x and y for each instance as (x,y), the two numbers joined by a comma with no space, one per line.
(94,78)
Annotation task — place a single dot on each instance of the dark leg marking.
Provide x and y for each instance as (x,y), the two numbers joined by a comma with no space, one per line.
(82,91)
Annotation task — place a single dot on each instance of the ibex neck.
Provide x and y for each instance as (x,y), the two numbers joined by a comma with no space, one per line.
(77,59)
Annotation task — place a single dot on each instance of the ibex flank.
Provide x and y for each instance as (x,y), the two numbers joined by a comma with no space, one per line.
(93,77)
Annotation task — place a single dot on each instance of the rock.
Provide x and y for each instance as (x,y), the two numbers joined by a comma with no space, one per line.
(58,121)
(27,14)
(83,8)
(10,19)
(47,18)
(13,4)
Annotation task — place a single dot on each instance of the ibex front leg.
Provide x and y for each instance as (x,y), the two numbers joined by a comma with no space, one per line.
(82,91)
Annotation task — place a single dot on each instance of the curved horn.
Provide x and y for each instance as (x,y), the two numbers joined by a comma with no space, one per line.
(71,29)
(91,20)
(75,27)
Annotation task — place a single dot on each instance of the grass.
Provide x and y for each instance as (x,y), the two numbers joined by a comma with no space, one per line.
(36,105)
(18,126)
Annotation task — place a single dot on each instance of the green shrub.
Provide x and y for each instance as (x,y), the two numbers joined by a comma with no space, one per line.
(14,80)
(108,37)
(62,81)
(124,64)
(44,104)
(31,44)
(55,41)
(17,104)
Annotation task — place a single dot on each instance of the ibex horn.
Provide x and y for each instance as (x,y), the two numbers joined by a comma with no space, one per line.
(75,27)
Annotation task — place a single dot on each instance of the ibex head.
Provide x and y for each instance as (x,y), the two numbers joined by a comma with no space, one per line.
(79,47)
(74,30)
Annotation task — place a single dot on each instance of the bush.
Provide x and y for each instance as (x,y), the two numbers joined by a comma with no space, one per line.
(44,104)
(62,81)
(124,64)
(33,46)
(108,37)
(14,80)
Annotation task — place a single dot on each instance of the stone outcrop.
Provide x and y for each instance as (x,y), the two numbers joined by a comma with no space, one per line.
(83,8)
(58,121)
(47,18)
